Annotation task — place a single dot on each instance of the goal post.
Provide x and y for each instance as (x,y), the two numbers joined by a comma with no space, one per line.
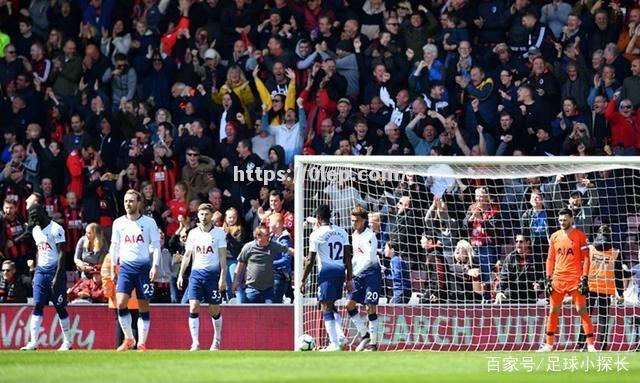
(463,244)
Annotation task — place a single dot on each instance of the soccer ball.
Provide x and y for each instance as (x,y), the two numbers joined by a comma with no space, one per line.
(305,343)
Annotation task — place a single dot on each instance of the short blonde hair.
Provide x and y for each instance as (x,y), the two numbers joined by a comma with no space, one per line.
(276,217)
(375,217)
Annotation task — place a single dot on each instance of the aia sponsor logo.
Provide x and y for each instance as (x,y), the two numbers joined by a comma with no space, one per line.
(44,246)
(204,249)
(131,239)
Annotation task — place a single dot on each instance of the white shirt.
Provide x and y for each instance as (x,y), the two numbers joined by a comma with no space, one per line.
(365,246)
(131,241)
(204,247)
(440,183)
(46,240)
(222,126)
(291,139)
(328,241)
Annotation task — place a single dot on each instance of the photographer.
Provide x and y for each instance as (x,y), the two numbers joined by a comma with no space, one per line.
(122,79)
(579,141)
(21,161)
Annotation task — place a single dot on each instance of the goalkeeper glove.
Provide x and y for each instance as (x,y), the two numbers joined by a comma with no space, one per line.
(548,286)
(584,285)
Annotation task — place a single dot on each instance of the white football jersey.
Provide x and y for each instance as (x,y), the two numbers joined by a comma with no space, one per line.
(204,247)
(328,241)
(365,246)
(133,239)
(46,240)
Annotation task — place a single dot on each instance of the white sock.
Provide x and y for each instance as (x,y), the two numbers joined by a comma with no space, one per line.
(359,323)
(125,325)
(36,323)
(217,325)
(373,331)
(194,328)
(330,326)
(64,325)
(339,330)
(143,330)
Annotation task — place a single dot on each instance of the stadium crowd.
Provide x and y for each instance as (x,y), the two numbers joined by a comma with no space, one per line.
(171,97)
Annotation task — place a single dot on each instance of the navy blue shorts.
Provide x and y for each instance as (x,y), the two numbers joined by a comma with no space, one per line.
(203,287)
(43,292)
(135,277)
(330,288)
(367,287)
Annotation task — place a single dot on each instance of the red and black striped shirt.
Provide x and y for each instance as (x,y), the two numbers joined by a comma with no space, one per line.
(163,178)
(19,194)
(12,229)
(74,227)
(104,207)
(53,205)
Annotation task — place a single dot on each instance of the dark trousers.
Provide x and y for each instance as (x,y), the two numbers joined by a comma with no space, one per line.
(597,304)
(280,282)
(161,293)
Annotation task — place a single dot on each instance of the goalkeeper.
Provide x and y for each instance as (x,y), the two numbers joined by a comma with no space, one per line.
(567,269)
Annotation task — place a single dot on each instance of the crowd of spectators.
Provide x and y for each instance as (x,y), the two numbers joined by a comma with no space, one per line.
(171,97)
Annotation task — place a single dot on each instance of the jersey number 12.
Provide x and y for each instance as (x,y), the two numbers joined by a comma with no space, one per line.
(335,251)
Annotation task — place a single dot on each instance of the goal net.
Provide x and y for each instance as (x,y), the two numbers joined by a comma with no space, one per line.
(463,243)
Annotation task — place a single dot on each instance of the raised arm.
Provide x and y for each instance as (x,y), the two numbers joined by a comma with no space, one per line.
(460,141)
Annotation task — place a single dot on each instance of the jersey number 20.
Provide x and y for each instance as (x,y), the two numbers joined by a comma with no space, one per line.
(335,251)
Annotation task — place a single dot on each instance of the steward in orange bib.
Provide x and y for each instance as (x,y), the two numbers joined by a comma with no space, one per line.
(605,282)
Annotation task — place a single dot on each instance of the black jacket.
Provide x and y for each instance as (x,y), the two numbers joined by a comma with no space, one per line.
(517,278)
(17,291)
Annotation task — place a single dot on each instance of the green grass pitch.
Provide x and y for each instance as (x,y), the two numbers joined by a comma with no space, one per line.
(264,366)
